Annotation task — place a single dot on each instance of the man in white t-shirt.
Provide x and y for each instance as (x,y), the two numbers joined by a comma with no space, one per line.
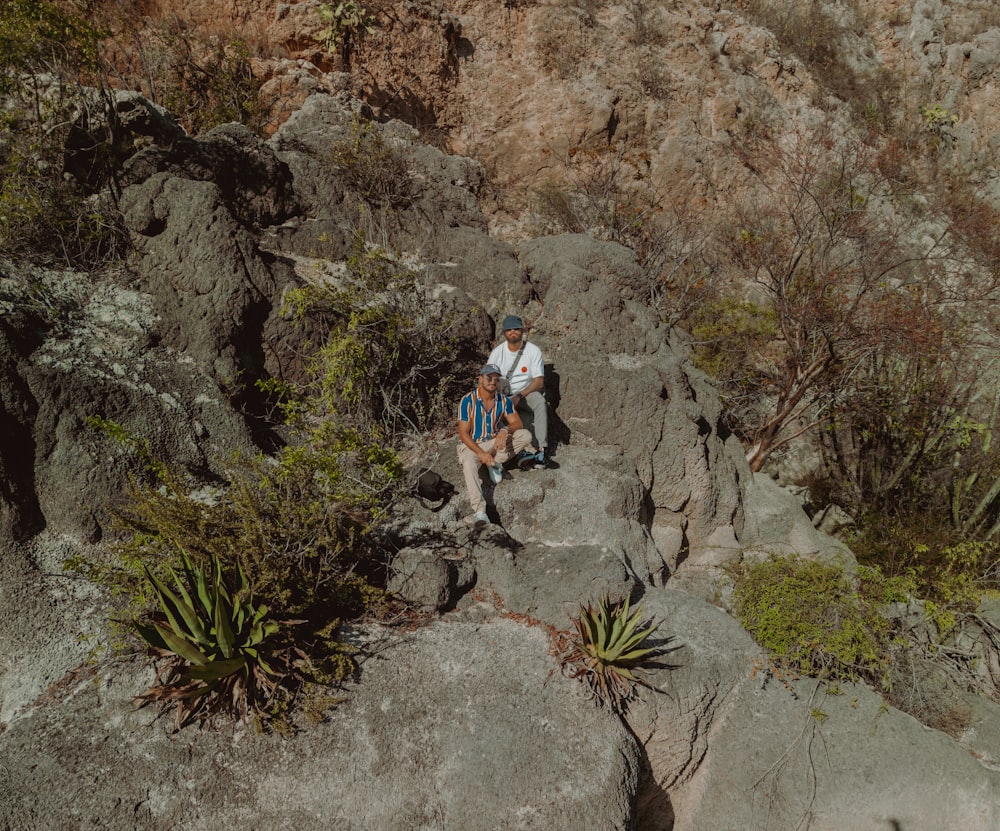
(521,363)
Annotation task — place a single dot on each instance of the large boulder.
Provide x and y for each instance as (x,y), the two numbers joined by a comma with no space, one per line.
(413,201)
(460,726)
(617,377)
(213,287)
(732,742)
(837,758)
(98,359)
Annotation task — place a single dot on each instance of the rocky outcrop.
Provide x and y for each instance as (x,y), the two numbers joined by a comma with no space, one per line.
(95,355)
(467,723)
(455,726)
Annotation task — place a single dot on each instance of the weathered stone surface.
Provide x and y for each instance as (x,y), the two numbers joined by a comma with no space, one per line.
(622,384)
(844,762)
(255,185)
(456,726)
(100,359)
(441,189)
(213,293)
(47,621)
(707,656)
(731,745)
(775,523)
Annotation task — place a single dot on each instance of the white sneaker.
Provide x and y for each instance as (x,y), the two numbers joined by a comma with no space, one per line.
(480,520)
(496,473)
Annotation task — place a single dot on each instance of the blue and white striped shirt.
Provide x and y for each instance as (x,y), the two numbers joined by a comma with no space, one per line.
(484,423)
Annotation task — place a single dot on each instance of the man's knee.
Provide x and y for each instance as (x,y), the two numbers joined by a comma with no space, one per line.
(521,439)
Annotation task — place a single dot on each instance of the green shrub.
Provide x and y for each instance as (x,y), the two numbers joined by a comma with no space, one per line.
(816,620)
(725,331)
(348,24)
(296,524)
(210,82)
(52,221)
(291,527)
(47,53)
(373,167)
(731,339)
(393,361)
(950,574)
(610,650)
(39,37)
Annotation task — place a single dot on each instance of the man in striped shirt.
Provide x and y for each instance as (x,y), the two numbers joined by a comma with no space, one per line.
(489,433)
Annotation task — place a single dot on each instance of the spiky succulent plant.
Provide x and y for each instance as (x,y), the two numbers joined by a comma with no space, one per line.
(609,651)
(213,640)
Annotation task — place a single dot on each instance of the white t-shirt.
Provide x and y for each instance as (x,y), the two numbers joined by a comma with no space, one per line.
(529,366)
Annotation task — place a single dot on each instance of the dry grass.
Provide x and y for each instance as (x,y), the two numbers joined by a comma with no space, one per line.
(560,41)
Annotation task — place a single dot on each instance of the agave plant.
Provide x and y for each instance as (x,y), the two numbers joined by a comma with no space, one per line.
(610,650)
(214,641)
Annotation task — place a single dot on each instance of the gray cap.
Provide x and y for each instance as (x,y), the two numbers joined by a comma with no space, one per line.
(512,322)
(490,369)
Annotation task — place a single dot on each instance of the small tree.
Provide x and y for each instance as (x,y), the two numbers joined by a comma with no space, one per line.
(348,24)
(824,246)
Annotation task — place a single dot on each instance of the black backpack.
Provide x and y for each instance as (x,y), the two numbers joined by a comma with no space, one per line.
(431,487)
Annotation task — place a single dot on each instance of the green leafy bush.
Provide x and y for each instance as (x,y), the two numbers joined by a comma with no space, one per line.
(393,362)
(44,37)
(210,82)
(731,340)
(950,574)
(296,524)
(50,77)
(817,620)
(610,650)
(348,24)
(291,527)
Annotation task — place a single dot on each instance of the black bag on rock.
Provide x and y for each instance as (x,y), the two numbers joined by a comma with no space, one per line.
(431,487)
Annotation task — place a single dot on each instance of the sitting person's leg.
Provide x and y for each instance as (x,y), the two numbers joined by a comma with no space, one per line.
(540,418)
(520,440)
(473,484)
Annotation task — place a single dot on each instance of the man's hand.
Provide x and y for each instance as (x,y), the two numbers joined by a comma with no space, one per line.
(502,440)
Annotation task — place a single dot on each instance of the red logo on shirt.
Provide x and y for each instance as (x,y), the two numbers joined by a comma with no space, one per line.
(524,369)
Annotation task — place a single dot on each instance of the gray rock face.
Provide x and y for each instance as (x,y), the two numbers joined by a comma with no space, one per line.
(97,357)
(622,383)
(840,762)
(730,745)
(456,726)
(438,191)
(215,292)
